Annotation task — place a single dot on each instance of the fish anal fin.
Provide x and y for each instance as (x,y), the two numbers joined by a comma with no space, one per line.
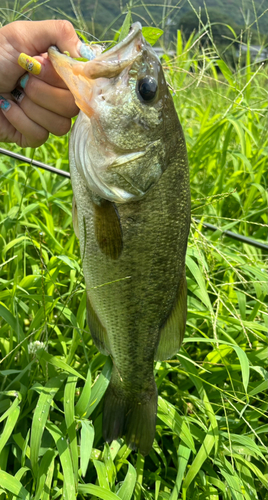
(75,218)
(108,229)
(172,332)
(97,330)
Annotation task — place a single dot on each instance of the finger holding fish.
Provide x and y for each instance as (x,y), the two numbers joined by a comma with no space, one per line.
(55,123)
(32,39)
(27,123)
(55,99)
(26,70)
(17,127)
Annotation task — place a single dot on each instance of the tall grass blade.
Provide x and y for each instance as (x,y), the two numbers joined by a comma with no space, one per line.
(40,417)
(65,459)
(87,438)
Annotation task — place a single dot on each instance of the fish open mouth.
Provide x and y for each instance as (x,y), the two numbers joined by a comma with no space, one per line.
(115,143)
(79,76)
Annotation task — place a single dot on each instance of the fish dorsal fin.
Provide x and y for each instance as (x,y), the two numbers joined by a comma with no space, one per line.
(75,218)
(108,229)
(172,332)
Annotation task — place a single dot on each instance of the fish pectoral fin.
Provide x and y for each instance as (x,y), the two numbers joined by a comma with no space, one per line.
(75,218)
(108,229)
(172,332)
(97,330)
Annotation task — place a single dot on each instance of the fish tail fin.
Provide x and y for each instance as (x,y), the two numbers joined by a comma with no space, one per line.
(131,415)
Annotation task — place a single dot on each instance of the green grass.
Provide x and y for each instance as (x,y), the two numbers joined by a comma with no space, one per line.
(211,433)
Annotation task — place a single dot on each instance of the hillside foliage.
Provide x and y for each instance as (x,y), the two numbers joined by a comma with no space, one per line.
(104,16)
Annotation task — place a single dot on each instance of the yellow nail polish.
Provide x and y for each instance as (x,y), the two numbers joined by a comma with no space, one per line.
(29,64)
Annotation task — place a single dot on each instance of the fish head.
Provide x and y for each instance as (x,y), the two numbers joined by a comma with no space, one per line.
(123,138)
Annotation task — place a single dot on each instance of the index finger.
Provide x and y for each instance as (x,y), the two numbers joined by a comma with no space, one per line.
(37,36)
(43,34)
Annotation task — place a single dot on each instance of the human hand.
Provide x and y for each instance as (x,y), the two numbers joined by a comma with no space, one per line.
(40,103)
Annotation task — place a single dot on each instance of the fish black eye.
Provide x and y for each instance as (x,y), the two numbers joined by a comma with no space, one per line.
(147,88)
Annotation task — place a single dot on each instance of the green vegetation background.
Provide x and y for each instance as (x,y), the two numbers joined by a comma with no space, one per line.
(104,15)
(211,434)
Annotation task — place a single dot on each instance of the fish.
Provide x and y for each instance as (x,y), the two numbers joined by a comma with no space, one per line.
(131,213)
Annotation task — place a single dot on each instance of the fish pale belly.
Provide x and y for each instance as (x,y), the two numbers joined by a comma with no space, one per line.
(139,314)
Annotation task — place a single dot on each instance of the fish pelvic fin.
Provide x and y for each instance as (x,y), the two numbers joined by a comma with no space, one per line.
(172,332)
(130,415)
(75,218)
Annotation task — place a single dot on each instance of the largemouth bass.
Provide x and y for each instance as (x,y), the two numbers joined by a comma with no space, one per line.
(131,212)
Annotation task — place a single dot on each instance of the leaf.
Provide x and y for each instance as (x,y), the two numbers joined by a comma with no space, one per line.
(53,360)
(179,43)
(262,387)
(20,473)
(7,261)
(15,242)
(99,492)
(46,493)
(70,262)
(244,362)
(13,322)
(202,455)
(13,485)
(193,267)
(83,402)
(87,438)
(65,459)
(102,474)
(126,490)
(261,477)
(151,34)
(31,281)
(50,238)
(240,132)
(9,426)
(193,374)
(167,413)
(40,417)
(100,386)
(15,403)
(47,459)
(109,465)
(232,479)
(125,27)
(245,441)
(183,458)
(226,72)
(69,394)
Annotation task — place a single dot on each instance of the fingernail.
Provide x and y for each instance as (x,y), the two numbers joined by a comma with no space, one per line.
(86,52)
(29,64)
(24,81)
(4,104)
(18,94)
(90,51)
